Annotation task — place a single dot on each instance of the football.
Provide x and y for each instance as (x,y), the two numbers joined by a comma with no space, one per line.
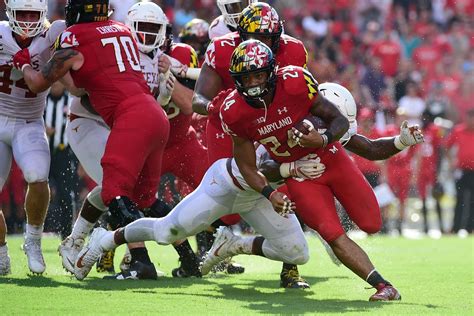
(309,123)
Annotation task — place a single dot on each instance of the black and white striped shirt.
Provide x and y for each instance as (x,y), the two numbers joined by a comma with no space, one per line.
(55,116)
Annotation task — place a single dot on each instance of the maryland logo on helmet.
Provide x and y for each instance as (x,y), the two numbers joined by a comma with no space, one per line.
(196,27)
(249,56)
(260,18)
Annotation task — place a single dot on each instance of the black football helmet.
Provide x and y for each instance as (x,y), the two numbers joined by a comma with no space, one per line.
(84,11)
(253,56)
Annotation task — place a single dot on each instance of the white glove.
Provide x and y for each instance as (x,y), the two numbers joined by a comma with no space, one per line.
(166,87)
(307,169)
(409,136)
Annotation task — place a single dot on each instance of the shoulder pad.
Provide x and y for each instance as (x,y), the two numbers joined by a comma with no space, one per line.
(297,81)
(66,39)
(294,48)
(185,54)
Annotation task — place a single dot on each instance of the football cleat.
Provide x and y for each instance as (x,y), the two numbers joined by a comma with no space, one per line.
(224,246)
(106,262)
(229,267)
(385,292)
(32,249)
(68,251)
(188,268)
(126,260)
(5,267)
(291,279)
(138,271)
(89,255)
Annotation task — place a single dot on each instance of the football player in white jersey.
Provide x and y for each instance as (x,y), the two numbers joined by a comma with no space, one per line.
(87,132)
(22,130)
(227,21)
(222,191)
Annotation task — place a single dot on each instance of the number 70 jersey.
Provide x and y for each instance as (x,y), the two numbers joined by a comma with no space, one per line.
(111,72)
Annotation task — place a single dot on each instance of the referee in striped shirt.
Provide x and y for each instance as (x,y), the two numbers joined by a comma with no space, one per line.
(63,172)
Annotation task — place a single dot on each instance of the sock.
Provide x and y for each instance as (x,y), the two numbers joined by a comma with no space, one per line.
(81,228)
(244,246)
(185,251)
(108,241)
(34,231)
(140,254)
(289,266)
(374,279)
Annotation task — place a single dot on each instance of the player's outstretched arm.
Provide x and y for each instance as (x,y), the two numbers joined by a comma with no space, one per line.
(207,87)
(62,61)
(372,149)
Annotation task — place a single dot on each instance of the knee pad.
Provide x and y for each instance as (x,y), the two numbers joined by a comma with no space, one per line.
(95,199)
(158,209)
(123,211)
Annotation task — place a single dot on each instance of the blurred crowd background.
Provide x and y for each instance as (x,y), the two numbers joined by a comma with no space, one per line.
(401,59)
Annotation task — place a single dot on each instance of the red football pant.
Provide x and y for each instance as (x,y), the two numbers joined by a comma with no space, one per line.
(134,151)
(399,181)
(186,160)
(342,180)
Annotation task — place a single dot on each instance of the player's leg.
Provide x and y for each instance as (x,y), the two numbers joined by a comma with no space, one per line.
(212,199)
(5,165)
(87,138)
(31,152)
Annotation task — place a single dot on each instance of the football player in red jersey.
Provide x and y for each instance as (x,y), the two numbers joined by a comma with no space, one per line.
(258,20)
(102,58)
(265,107)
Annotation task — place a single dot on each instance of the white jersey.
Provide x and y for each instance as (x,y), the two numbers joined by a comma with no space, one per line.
(149,68)
(16,100)
(218,28)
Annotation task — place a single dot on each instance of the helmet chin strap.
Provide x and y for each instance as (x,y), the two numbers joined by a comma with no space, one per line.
(265,106)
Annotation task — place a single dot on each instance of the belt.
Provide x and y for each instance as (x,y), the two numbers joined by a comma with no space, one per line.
(73,116)
(228,165)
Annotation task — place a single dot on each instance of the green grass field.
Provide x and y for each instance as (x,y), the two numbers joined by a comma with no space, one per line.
(433,276)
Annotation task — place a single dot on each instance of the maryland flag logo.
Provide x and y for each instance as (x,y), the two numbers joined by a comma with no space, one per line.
(311,83)
(250,55)
(194,62)
(65,40)
(259,18)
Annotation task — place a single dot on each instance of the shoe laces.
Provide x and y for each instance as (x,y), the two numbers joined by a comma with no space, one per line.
(293,274)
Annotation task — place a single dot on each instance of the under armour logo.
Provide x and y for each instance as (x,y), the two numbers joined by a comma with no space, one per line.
(213,181)
(333,149)
(76,128)
(281,111)
(220,135)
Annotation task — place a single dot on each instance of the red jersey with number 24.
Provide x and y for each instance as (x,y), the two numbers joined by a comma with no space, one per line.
(111,71)
(295,91)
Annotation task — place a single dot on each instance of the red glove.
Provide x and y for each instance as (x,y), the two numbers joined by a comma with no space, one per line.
(22,59)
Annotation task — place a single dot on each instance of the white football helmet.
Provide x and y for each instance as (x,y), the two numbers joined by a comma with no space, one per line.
(147,12)
(228,10)
(26,29)
(344,100)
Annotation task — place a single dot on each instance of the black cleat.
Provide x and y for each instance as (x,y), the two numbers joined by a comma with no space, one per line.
(138,271)
(106,262)
(291,279)
(187,269)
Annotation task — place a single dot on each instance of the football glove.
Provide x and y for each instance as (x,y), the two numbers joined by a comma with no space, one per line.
(22,59)
(409,136)
(303,169)
(166,87)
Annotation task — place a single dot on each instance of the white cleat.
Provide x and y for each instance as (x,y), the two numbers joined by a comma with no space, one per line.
(225,245)
(68,251)
(32,249)
(89,255)
(4,261)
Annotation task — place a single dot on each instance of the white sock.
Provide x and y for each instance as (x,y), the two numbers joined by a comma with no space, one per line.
(34,231)
(81,228)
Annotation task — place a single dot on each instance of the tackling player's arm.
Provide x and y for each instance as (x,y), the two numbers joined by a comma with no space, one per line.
(68,82)
(372,149)
(61,63)
(182,96)
(207,87)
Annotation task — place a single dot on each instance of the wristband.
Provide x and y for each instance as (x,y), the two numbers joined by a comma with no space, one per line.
(329,135)
(24,66)
(325,140)
(267,191)
(398,143)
